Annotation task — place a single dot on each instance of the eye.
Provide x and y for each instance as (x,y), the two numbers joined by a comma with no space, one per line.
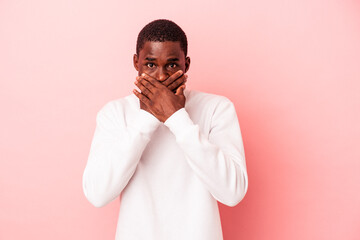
(150,65)
(172,65)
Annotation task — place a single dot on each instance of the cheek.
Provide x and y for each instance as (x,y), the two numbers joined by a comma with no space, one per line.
(173,70)
(181,67)
(143,69)
(149,71)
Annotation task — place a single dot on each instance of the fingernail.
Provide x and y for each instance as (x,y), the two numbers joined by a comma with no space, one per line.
(143,74)
(180,71)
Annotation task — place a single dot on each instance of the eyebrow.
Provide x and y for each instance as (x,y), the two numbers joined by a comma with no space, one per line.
(169,59)
(173,59)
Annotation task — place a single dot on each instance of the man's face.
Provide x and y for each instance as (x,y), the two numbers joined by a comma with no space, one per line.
(161,59)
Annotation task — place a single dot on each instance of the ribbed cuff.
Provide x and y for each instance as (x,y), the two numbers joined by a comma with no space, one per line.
(179,123)
(145,122)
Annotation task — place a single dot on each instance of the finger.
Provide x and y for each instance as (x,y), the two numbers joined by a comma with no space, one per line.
(143,89)
(147,75)
(172,78)
(178,82)
(180,90)
(150,82)
(175,89)
(142,97)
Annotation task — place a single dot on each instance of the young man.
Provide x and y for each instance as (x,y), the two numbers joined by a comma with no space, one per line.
(169,153)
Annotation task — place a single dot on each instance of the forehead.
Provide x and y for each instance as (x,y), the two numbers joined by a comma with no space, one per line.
(161,49)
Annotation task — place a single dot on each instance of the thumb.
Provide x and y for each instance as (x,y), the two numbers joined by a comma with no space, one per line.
(180,90)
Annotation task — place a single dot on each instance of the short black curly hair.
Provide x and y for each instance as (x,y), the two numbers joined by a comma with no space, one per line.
(161,30)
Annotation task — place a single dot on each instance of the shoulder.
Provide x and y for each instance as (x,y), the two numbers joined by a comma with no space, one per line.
(115,106)
(206,99)
(111,114)
(220,108)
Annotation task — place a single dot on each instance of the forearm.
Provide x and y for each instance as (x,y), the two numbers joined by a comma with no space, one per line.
(222,173)
(221,167)
(113,157)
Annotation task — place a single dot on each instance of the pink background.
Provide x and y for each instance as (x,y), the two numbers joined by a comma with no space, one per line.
(292,69)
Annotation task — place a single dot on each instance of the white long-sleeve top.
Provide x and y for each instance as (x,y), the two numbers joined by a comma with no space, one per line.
(168,176)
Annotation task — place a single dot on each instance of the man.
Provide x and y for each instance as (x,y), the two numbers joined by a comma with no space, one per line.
(169,153)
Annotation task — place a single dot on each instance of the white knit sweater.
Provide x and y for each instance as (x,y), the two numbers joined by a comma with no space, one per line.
(169,176)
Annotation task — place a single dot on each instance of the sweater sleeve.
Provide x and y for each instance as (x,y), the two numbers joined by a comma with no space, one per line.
(218,160)
(115,152)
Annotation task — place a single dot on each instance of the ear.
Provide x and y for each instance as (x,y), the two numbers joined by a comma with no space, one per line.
(136,62)
(187,63)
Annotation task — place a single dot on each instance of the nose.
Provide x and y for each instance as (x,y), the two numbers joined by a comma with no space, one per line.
(162,75)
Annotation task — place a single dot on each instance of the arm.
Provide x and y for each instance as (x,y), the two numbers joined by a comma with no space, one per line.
(218,161)
(114,153)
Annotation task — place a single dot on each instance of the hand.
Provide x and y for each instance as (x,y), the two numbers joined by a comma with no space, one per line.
(173,82)
(158,98)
